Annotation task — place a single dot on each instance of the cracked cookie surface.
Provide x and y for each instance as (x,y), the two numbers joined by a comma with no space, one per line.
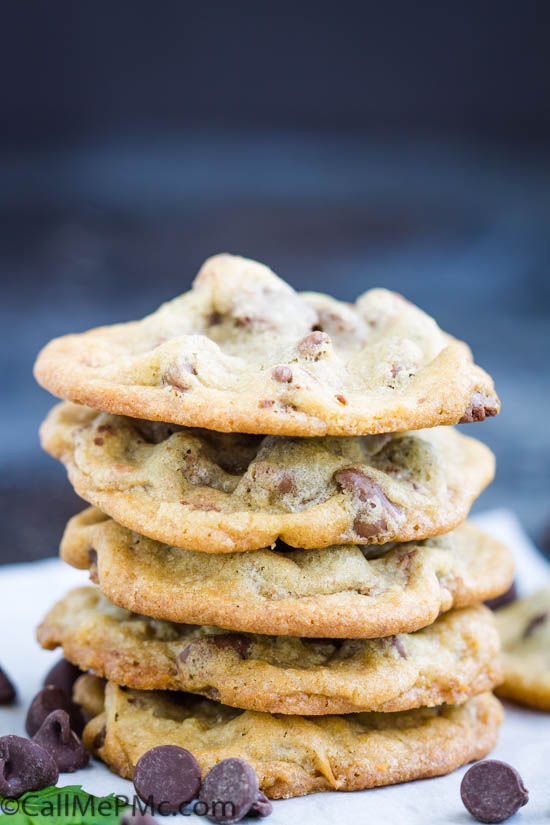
(336,592)
(292,755)
(243,352)
(219,492)
(448,662)
(524,627)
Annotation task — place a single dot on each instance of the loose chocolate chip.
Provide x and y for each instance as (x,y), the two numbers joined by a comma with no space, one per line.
(63,675)
(230,791)
(282,374)
(7,690)
(56,736)
(262,806)
(48,699)
(492,791)
(167,777)
(499,601)
(24,766)
(480,407)
(535,622)
(138,819)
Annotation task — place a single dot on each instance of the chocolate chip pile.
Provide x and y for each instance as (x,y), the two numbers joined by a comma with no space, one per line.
(312,397)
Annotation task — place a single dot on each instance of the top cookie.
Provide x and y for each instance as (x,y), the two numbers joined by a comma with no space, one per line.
(243,352)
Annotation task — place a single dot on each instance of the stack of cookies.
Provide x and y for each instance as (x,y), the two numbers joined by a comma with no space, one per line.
(281,563)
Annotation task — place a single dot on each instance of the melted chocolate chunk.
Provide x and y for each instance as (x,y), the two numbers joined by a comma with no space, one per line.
(479,408)
(282,374)
(224,641)
(398,645)
(99,738)
(314,345)
(492,791)
(367,491)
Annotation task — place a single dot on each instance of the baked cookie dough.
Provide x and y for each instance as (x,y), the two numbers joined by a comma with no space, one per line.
(524,628)
(243,352)
(448,662)
(222,493)
(292,755)
(336,592)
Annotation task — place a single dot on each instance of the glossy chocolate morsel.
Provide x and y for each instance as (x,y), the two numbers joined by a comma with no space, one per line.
(493,791)
(24,766)
(56,736)
(167,777)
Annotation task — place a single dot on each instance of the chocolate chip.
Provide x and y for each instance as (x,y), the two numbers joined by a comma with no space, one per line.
(232,641)
(99,738)
(226,641)
(138,819)
(48,699)
(230,791)
(314,345)
(214,319)
(535,622)
(398,645)
(492,791)
(356,482)
(479,408)
(63,675)
(341,399)
(366,490)
(7,690)
(56,736)
(167,777)
(24,766)
(369,529)
(499,601)
(262,806)
(282,374)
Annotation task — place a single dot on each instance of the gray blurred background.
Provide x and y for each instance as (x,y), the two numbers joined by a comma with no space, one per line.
(346,145)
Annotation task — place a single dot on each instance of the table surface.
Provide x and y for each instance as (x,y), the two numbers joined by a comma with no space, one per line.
(106,232)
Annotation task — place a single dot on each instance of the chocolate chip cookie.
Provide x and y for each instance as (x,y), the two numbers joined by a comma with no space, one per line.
(336,592)
(243,352)
(292,755)
(524,627)
(449,661)
(222,493)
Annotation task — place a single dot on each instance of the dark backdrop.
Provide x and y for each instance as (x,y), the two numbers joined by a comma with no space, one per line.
(346,145)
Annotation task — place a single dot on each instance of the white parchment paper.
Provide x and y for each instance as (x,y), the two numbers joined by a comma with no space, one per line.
(28,590)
